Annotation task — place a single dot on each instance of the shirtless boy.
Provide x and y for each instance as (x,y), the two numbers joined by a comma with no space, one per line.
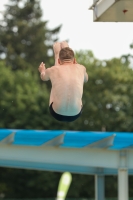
(67,78)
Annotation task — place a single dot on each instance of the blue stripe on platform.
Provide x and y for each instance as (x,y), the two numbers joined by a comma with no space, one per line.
(72,139)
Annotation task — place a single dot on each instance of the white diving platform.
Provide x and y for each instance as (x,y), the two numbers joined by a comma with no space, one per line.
(81,152)
(112,10)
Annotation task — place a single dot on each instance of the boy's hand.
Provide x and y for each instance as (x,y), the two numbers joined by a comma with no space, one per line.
(41,68)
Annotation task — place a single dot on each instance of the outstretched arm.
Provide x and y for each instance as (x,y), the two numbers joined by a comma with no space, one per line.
(44,73)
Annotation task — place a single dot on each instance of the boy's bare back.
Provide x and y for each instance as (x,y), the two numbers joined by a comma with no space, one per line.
(67,88)
(67,78)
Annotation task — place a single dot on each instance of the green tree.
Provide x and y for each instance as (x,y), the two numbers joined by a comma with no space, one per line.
(25,40)
(23,101)
(20,183)
(108,95)
(128,58)
(108,102)
(107,98)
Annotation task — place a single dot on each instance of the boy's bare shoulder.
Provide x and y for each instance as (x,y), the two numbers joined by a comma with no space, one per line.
(51,68)
(82,66)
(54,67)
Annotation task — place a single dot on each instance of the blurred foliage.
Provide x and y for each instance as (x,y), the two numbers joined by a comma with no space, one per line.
(25,39)
(40,184)
(107,99)
(23,102)
(28,183)
(108,96)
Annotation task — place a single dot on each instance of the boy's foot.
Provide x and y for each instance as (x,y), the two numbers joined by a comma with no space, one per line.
(64,44)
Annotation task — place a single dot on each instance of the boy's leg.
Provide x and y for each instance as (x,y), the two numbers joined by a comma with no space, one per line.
(56,48)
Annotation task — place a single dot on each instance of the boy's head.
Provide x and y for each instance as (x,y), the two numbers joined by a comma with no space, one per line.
(66,55)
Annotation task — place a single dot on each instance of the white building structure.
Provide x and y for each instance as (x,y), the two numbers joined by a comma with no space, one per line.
(112,10)
(82,152)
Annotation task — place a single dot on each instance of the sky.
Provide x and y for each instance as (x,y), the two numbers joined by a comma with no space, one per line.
(105,40)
